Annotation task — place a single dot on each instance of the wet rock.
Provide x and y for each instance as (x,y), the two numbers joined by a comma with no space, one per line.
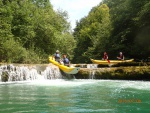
(121,73)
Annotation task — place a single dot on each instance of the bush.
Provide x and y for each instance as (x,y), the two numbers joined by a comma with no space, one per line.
(12,51)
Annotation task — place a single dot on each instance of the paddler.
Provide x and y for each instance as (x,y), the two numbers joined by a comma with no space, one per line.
(66,60)
(121,56)
(105,57)
(57,56)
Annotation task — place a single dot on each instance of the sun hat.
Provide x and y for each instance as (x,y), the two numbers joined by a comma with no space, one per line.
(57,51)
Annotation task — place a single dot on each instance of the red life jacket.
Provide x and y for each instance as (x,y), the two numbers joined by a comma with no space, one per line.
(105,57)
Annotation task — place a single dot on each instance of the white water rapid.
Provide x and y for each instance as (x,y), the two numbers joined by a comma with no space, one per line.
(28,72)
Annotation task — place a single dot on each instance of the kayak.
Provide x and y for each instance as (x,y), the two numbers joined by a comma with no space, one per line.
(110,61)
(66,69)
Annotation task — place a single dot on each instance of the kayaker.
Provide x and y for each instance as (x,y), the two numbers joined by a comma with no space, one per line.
(105,57)
(66,60)
(57,56)
(121,56)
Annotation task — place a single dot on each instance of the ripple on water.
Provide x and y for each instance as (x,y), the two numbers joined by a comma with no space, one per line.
(73,96)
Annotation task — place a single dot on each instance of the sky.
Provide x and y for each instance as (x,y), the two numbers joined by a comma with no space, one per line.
(76,9)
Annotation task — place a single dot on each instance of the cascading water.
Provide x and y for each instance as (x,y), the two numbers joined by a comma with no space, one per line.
(92,71)
(51,73)
(29,72)
(92,66)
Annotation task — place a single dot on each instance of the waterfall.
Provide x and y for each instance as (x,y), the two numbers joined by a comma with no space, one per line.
(92,74)
(92,68)
(20,72)
(51,73)
(92,65)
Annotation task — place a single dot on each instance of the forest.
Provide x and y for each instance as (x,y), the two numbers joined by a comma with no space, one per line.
(31,31)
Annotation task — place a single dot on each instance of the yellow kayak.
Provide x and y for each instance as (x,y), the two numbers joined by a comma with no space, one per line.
(66,69)
(110,61)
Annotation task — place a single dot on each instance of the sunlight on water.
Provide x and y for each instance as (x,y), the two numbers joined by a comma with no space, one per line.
(56,82)
(61,82)
(142,85)
(76,96)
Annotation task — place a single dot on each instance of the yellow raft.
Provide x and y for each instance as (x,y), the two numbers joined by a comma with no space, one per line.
(66,69)
(110,61)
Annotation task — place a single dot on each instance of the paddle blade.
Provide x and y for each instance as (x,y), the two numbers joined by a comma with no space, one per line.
(108,61)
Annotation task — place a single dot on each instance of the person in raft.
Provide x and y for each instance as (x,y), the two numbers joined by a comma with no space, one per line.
(66,60)
(57,56)
(105,57)
(121,56)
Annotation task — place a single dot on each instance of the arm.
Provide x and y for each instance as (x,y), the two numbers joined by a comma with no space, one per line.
(123,57)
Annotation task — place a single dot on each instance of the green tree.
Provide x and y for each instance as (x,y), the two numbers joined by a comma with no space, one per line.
(92,34)
(125,16)
(34,28)
(142,38)
(13,51)
(22,23)
(5,26)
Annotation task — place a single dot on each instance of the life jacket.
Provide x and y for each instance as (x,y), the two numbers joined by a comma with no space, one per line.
(66,61)
(57,56)
(121,56)
(105,57)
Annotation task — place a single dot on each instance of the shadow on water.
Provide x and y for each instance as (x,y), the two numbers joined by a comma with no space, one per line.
(67,76)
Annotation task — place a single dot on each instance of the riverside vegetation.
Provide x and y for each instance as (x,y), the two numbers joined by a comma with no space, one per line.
(31,30)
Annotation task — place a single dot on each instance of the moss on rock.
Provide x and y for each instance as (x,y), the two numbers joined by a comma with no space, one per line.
(121,73)
(84,74)
(4,76)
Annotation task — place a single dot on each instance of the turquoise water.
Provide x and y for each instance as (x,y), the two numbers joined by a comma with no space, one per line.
(75,96)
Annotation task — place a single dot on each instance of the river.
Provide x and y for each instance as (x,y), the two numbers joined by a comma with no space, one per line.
(75,96)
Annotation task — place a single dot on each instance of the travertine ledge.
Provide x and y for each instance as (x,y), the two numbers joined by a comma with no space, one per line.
(121,73)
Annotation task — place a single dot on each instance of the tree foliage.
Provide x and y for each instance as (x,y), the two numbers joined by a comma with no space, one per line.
(130,22)
(30,31)
(92,33)
(114,26)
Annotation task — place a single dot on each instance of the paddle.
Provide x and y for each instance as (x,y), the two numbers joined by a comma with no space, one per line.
(108,61)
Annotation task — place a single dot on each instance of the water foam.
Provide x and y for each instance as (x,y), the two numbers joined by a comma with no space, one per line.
(61,82)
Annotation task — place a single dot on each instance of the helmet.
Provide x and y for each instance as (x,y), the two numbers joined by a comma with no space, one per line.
(57,51)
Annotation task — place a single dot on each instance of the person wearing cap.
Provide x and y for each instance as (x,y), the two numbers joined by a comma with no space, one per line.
(66,60)
(57,56)
(121,56)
